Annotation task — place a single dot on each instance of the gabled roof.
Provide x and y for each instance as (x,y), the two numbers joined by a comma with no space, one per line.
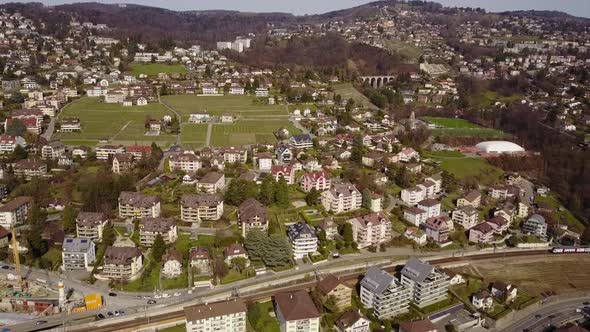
(376,280)
(417,270)
(296,305)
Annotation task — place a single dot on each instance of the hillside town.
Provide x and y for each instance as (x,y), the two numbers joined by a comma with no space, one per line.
(144,174)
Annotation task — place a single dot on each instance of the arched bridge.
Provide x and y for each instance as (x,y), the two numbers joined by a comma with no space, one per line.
(377,81)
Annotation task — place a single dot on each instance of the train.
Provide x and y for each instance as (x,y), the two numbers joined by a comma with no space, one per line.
(570,250)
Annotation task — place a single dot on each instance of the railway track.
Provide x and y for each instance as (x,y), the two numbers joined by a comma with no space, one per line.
(179,314)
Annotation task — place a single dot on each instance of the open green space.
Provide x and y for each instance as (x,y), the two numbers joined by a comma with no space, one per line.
(478,168)
(153,69)
(241,106)
(261,317)
(411,52)
(249,132)
(347,91)
(461,127)
(559,212)
(117,124)
(193,133)
(488,98)
(177,328)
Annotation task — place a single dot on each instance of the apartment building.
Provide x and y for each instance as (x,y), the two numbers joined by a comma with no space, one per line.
(9,143)
(106,151)
(472,198)
(121,262)
(30,168)
(296,312)
(430,206)
(535,225)
(235,155)
(384,294)
(122,162)
(53,150)
(415,215)
(211,183)
(150,227)
(16,211)
(195,208)
(332,286)
(371,229)
(481,233)
(90,225)
(78,254)
(437,229)
(318,180)
(186,162)
(466,216)
(303,239)
(341,198)
(353,321)
(138,205)
(286,172)
(411,196)
(224,316)
(252,215)
(426,283)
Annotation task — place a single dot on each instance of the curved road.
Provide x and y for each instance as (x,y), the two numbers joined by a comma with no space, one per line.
(554,314)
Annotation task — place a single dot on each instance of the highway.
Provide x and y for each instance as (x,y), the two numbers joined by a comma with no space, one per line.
(550,314)
(255,288)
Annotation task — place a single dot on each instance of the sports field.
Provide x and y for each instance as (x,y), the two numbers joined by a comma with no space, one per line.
(117,124)
(240,106)
(153,69)
(248,132)
(461,127)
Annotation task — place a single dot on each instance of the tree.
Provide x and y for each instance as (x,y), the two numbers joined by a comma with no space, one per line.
(220,269)
(358,149)
(19,153)
(158,248)
(108,234)
(240,190)
(16,128)
(282,193)
(239,263)
(350,104)
(347,233)
(585,238)
(164,90)
(36,242)
(254,243)
(68,219)
(367,194)
(277,251)
(313,197)
(267,190)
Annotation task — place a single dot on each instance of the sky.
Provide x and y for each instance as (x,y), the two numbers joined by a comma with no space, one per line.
(574,7)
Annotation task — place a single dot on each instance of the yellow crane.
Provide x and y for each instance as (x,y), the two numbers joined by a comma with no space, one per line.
(19,279)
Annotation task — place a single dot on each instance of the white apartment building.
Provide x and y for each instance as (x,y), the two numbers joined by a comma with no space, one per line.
(303,239)
(224,316)
(413,195)
(384,294)
(195,208)
(342,198)
(370,230)
(296,312)
(90,225)
(106,151)
(138,205)
(427,284)
(186,162)
(466,216)
(78,254)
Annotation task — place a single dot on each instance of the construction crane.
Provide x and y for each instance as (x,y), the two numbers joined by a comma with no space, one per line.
(20,284)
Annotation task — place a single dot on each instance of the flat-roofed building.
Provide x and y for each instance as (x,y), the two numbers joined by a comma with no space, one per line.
(77,254)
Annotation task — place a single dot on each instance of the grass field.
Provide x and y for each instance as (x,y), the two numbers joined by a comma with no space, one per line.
(347,91)
(153,69)
(461,127)
(193,134)
(118,124)
(560,213)
(248,132)
(488,98)
(407,50)
(479,168)
(242,106)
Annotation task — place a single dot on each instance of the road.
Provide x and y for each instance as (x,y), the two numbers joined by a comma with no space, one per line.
(554,314)
(267,282)
(50,129)
(178,116)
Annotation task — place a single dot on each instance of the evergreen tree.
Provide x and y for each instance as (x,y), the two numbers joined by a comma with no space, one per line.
(158,248)
(254,243)
(19,153)
(347,233)
(108,234)
(367,199)
(240,190)
(282,193)
(16,128)
(278,251)
(313,197)
(68,218)
(267,190)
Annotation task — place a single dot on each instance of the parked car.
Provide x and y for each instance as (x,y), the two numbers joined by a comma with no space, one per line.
(151,302)
(112,294)
(165,295)
(40,322)
(177,294)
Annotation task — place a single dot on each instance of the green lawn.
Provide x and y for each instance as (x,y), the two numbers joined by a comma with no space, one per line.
(249,132)
(347,91)
(560,213)
(118,124)
(193,133)
(488,98)
(153,69)
(411,52)
(177,328)
(260,319)
(241,106)
(472,167)
(461,127)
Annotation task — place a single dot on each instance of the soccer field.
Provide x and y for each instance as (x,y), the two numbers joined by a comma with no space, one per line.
(241,106)
(248,132)
(153,69)
(461,127)
(118,124)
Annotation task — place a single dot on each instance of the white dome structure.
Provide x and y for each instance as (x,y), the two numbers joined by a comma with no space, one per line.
(499,147)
